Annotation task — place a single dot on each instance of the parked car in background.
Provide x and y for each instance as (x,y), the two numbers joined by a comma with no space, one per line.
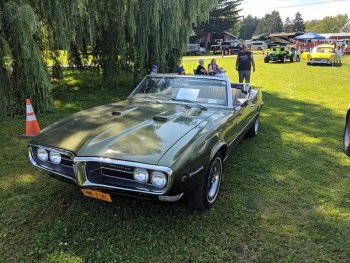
(233,47)
(258,45)
(168,140)
(282,54)
(216,49)
(322,54)
(194,49)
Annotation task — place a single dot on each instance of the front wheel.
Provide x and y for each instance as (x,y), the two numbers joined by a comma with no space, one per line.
(266,60)
(298,59)
(206,194)
(346,138)
(254,130)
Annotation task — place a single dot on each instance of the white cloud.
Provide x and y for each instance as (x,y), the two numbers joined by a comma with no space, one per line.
(309,9)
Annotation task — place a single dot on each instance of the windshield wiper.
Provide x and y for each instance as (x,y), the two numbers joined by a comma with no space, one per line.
(202,107)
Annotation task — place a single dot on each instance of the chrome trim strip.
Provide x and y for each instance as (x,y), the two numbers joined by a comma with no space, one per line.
(48,169)
(88,184)
(119,178)
(118,170)
(318,62)
(173,198)
(126,163)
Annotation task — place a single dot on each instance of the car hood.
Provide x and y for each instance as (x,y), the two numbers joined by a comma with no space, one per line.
(126,131)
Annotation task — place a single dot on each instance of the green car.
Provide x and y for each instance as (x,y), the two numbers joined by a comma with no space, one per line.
(281,54)
(168,140)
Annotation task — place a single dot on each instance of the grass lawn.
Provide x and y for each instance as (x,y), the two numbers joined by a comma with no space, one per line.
(285,198)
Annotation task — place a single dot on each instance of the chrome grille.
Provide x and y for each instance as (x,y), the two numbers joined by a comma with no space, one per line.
(115,175)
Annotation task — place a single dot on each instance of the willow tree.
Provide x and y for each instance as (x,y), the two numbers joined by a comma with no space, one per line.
(121,35)
(27,76)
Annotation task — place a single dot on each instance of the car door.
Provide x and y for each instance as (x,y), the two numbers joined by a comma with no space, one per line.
(245,112)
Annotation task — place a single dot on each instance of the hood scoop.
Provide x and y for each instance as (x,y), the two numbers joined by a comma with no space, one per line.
(116,113)
(167,116)
(160,118)
(119,113)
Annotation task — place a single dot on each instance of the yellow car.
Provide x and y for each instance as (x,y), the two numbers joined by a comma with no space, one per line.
(322,54)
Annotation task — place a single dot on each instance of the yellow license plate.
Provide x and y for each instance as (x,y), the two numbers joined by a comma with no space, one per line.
(97,195)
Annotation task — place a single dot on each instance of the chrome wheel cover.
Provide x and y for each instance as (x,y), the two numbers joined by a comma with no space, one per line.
(346,140)
(214,180)
(256,126)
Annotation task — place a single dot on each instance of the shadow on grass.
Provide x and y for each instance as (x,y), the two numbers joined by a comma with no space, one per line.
(285,198)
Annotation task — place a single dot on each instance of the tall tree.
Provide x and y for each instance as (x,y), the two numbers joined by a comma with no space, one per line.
(346,27)
(221,19)
(118,34)
(270,23)
(288,25)
(298,23)
(329,24)
(248,27)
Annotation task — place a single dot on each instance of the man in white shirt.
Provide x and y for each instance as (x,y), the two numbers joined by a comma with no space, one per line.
(338,55)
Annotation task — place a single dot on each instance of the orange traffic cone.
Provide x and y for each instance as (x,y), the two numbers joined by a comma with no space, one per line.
(32,125)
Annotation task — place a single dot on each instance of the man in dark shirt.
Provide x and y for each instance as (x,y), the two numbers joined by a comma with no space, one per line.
(244,64)
(201,69)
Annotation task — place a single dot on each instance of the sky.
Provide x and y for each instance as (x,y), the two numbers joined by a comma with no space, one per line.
(309,9)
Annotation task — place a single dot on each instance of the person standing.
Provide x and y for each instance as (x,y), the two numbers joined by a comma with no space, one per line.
(338,55)
(244,64)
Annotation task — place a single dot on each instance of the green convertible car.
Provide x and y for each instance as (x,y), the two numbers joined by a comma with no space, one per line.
(168,140)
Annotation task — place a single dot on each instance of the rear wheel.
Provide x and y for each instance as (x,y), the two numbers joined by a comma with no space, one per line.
(297,59)
(266,60)
(346,137)
(284,59)
(292,58)
(206,194)
(254,130)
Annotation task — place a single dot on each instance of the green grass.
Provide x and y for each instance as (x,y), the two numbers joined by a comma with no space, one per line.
(285,198)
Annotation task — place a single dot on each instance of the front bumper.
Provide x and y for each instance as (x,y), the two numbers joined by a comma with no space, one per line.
(82,179)
(324,61)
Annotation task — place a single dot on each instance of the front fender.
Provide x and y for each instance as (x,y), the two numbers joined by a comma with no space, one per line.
(190,158)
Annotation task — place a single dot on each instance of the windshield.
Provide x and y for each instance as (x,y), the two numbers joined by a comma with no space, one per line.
(322,50)
(204,91)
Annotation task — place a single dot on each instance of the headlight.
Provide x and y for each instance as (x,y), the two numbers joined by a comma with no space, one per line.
(158,179)
(43,155)
(141,175)
(55,157)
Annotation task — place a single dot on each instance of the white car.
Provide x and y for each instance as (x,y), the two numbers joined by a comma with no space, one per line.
(258,45)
